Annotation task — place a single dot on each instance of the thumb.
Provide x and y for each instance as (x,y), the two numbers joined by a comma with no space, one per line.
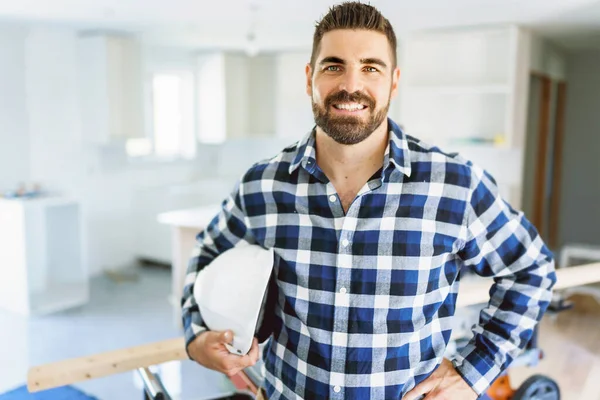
(226,337)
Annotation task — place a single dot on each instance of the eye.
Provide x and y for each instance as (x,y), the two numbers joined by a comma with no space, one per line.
(371,69)
(332,68)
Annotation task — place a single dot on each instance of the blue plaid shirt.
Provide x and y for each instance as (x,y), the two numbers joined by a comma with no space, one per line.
(366,298)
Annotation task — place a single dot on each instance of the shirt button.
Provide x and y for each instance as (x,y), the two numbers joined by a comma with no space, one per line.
(345,242)
(337,389)
(343,290)
(332,198)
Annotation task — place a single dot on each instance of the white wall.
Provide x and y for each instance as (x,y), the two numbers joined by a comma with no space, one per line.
(250,93)
(262,102)
(580,211)
(547,58)
(294,117)
(236,93)
(14,137)
(53,109)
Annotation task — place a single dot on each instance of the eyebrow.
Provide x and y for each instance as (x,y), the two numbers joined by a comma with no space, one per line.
(337,60)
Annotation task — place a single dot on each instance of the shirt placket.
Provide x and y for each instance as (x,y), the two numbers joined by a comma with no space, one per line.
(339,340)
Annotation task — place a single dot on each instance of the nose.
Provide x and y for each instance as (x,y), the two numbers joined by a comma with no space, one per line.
(351,81)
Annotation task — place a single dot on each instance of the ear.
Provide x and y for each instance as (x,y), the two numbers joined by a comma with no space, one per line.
(308,71)
(395,80)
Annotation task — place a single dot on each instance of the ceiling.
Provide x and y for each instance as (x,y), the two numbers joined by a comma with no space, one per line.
(284,24)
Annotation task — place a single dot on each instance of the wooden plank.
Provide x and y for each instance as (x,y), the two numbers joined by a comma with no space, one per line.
(74,370)
(476,291)
(98,365)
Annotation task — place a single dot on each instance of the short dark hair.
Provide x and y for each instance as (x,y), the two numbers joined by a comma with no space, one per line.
(353,15)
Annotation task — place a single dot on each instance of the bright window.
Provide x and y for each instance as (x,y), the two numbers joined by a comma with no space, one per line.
(168,109)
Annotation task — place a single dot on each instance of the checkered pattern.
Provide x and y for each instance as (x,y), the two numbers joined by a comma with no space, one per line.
(366,298)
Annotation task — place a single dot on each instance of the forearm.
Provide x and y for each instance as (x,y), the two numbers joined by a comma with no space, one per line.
(226,230)
(504,245)
(517,302)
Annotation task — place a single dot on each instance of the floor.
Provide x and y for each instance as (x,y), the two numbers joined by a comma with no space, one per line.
(571,345)
(120,314)
(129,313)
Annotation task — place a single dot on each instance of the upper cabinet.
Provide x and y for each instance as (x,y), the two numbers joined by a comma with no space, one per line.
(111,88)
(465,90)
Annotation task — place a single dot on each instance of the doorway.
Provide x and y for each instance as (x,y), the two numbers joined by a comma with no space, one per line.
(543,155)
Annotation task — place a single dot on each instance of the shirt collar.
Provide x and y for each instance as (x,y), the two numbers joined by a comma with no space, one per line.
(305,153)
(397,151)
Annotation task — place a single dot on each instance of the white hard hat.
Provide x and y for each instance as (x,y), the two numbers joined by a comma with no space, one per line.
(236,292)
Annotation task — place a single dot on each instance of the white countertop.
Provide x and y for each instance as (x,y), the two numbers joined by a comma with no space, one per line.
(197,217)
(39,201)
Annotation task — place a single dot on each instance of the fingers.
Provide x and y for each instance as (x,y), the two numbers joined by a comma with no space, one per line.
(217,339)
(231,370)
(219,358)
(421,389)
(253,353)
(249,359)
(231,364)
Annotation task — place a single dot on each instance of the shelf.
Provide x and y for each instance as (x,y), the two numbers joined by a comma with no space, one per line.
(458,144)
(463,88)
(458,89)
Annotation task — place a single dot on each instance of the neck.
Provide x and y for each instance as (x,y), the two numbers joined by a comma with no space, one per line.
(339,161)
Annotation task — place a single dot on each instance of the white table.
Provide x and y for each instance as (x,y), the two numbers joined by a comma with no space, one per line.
(582,252)
(185,226)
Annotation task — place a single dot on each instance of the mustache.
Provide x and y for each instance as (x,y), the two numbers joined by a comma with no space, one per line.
(345,97)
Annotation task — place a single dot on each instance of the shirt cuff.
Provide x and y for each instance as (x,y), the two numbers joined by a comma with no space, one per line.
(476,368)
(191,333)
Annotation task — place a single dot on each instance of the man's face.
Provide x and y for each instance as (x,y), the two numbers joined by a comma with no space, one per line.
(352,84)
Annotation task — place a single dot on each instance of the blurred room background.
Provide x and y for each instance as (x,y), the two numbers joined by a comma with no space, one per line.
(121,121)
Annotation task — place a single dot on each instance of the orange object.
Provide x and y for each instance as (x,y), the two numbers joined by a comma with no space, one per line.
(501,389)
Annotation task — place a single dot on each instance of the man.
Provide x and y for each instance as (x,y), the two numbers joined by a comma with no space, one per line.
(371,228)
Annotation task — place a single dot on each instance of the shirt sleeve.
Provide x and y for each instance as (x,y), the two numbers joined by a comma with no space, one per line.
(501,243)
(227,229)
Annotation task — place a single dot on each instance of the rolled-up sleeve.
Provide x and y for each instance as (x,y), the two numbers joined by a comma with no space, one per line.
(226,230)
(501,243)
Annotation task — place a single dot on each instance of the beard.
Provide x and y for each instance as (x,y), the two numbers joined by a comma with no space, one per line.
(348,129)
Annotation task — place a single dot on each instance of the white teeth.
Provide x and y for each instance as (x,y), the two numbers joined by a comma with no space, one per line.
(349,106)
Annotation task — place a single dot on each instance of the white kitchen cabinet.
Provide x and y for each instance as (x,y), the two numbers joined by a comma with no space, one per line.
(42,266)
(111,88)
(465,90)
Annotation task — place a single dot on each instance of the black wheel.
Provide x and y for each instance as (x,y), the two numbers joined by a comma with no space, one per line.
(538,387)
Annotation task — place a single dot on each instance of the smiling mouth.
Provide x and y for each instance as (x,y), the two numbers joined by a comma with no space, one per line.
(349,107)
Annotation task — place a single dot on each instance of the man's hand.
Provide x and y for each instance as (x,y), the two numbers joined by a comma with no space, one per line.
(208,349)
(443,384)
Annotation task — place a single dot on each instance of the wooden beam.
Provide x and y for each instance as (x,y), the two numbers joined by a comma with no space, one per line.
(74,370)
(98,365)
(476,291)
